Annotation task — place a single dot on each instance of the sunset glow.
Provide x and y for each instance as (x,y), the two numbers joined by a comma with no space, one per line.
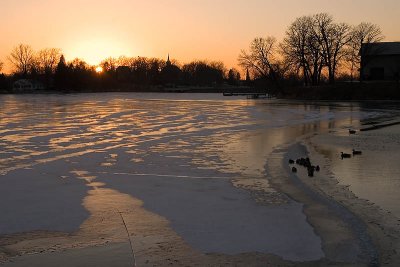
(94,30)
(94,50)
(199,133)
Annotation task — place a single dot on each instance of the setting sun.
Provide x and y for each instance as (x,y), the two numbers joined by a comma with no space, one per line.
(199,133)
(99,69)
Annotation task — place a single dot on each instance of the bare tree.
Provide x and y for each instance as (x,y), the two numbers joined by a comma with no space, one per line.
(233,76)
(126,61)
(79,65)
(154,70)
(109,64)
(34,67)
(1,66)
(301,50)
(316,42)
(22,58)
(219,66)
(333,38)
(261,58)
(362,35)
(48,59)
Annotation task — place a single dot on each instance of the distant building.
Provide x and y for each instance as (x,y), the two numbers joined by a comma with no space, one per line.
(380,61)
(27,85)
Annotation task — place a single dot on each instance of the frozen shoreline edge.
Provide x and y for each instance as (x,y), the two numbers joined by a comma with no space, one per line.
(381,226)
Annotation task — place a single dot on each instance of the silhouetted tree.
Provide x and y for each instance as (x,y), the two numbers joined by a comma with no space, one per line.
(140,67)
(111,74)
(333,38)
(219,69)
(233,77)
(171,74)
(123,74)
(126,61)
(34,68)
(1,66)
(109,64)
(315,42)
(62,75)
(22,58)
(47,60)
(82,76)
(155,66)
(261,59)
(3,82)
(203,73)
(45,63)
(364,33)
(302,51)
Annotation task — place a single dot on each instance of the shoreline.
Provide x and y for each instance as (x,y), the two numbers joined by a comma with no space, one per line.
(331,222)
(339,91)
(381,226)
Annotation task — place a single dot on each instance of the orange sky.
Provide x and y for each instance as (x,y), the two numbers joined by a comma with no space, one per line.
(187,29)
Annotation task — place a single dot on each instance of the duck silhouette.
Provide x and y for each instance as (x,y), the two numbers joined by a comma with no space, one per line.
(345,155)
(351,131)
(357,152)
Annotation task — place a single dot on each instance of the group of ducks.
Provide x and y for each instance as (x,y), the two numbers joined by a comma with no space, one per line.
(355,152)
(305,162)
(347,155)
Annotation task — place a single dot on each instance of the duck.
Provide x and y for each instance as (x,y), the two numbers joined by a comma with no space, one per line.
(357,152)
(351,131)
(294,169)
(291,161)
(310,172)
(317,168)
(308,163)
(345,155)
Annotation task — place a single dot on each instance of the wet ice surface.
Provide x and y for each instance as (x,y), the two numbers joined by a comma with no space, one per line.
(176,152)
(374,175)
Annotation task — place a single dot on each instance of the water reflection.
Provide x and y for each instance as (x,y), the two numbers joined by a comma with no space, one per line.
(41,128)
(374,175)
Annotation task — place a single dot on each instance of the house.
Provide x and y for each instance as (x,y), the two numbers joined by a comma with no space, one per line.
(380,61)
(27,85)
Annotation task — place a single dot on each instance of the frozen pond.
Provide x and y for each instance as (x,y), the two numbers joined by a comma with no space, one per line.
(177,153)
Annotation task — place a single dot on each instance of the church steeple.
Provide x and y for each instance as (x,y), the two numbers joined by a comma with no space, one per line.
(168,61)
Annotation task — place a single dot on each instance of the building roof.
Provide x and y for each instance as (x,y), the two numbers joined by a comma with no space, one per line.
(382,48)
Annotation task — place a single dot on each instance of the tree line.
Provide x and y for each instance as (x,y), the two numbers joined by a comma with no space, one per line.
(313,50)
(50,67)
